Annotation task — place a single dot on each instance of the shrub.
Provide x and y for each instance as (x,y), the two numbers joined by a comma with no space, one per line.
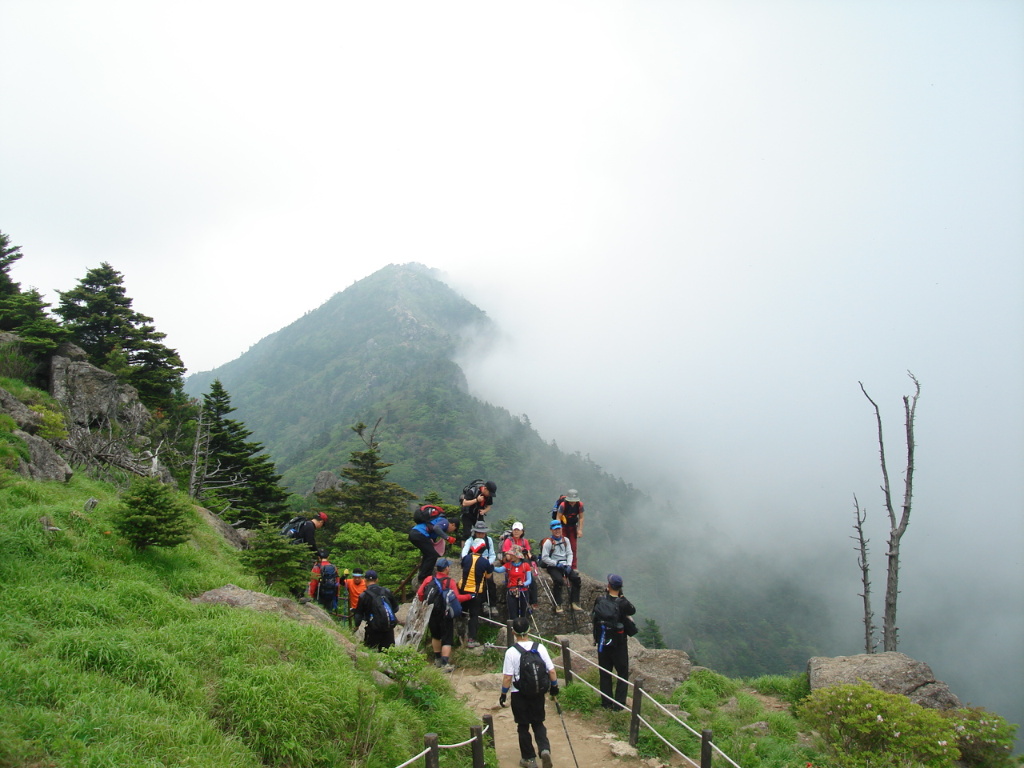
(864,726)
(277,559)
(152,514)
(983,738)
(53,427)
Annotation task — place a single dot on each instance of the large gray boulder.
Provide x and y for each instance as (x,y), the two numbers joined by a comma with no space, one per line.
(93,397)
(891,672)
(26,419)
(45,464)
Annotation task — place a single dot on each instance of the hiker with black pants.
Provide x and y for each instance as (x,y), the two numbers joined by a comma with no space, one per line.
(527,709)
(441,626)
(476,501)
(477,573)
(556,556)
(480,531)
(376,635)
(325,585)
(306,532)
(612,627)
(430,537)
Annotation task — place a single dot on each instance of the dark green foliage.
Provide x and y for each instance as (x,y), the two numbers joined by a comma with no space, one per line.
(650,634)
(384,550)
(152,514)
(276,559)
(235,477)
(100,317)
(366,495)
(985,739)
(23,312)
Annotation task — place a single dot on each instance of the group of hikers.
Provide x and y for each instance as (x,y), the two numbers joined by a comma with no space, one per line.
(528,672)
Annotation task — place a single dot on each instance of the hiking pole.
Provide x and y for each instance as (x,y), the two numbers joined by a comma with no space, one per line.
(558,708)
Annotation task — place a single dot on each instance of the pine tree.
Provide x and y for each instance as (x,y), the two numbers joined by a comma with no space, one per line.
(276,559)
(650,635)
(99,314)
(152,514)
(366,495)
(24,313)
(235,476)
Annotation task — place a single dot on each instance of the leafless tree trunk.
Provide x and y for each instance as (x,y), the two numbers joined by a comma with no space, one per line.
(862,562)
(897,528)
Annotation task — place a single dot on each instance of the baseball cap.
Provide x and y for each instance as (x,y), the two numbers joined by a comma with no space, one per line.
(322,516)
(555,524)
(614,581)
(371,575)
(517,526)
(441,564)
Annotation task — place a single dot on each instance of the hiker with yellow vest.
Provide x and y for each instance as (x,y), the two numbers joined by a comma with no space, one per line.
(477,572)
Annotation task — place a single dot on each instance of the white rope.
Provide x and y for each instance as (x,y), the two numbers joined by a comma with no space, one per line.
(667,742)
(413,759)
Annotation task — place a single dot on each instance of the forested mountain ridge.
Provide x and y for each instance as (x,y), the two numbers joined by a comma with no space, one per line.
(384,349)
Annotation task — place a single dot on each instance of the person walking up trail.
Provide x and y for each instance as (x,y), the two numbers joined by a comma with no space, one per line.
(325,585)
(611,618)
(556,556)
(377,606)
(528,673)
(441,625)
(570,515)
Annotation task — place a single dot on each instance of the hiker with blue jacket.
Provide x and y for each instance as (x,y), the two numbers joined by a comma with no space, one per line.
(612,629)
(380,629)
(430,536)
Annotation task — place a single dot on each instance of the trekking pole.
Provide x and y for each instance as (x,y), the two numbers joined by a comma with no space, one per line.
(558,708)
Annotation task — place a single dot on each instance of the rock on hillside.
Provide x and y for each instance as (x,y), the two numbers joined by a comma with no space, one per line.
(890,672)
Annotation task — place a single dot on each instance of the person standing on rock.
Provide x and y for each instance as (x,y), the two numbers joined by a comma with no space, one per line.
(570,515)
(527,710)
(611,616)
(476,501)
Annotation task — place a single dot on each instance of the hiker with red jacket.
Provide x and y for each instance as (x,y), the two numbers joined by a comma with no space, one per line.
(441,626)
(570,515)
(518,539)
(518,577)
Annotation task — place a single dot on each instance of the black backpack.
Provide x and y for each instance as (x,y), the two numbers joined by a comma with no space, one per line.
(533,677)
(606,613)
(328,580)
(382,617)
(472,490)
(291,529)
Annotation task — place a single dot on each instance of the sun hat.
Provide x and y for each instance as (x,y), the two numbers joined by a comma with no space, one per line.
(572,495)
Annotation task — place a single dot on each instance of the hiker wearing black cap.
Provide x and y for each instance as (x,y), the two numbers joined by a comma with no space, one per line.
(476,501)
(377,606)
(612,627)
(556,556)
(440,624)
(520,673)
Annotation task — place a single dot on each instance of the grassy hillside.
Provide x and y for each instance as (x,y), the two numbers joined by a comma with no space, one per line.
(106,662)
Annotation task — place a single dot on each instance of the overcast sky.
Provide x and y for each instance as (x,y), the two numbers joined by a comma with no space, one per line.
(698,224)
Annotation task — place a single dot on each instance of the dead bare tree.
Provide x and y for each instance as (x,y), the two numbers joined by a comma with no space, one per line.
(862,562)
(897,528)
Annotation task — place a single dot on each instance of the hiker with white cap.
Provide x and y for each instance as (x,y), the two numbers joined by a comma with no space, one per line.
(518,539)
(479,534)
(570,515)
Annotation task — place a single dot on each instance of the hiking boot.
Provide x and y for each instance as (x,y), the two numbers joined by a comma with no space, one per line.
(447,668)
(438,663)
(472,644)
(545,758)
(531,763)
(577,607)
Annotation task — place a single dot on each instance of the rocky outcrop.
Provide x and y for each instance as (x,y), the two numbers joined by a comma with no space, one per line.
(92,397)
(232,536)
(45,464)
(890,672)
(324,481)
(26,419)
(662,669)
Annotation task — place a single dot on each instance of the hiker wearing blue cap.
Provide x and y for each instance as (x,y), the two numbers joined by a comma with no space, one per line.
(556,556)
(440,591)
(612,628)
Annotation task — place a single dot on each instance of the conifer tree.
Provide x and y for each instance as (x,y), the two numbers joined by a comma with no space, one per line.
(24,312)
(99,314)
(235,476)
(277,560)
(366,495)
(650,635)
(151,514)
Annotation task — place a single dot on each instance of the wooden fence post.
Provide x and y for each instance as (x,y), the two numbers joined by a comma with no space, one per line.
(705,748)
(634,719)
(476,732)
(433,757)
(489,724)
(566,662)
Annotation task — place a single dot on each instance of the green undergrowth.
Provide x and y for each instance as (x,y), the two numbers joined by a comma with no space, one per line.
(106,661)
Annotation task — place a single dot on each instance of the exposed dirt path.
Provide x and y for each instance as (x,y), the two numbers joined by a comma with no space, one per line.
(592,747)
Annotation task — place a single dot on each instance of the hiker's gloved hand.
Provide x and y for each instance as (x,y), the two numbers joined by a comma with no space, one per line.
(566,569)
(554,689)
(503,699)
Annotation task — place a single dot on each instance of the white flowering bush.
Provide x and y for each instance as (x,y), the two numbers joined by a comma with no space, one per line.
(984,739)
(860,725)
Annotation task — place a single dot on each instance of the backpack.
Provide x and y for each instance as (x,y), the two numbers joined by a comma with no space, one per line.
(382,616)
(328,580)
(554,508)
(533,677)
(426,513)
(443,598)
(606,613)
(472,490)
(291,529)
